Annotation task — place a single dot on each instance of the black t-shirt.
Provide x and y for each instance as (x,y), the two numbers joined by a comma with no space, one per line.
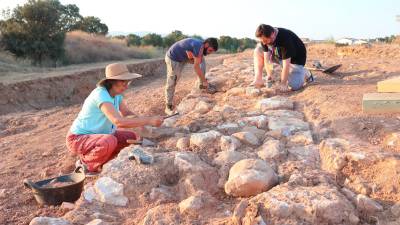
(288,45)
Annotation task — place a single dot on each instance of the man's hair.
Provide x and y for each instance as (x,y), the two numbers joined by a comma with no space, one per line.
(212,42)
(264,30)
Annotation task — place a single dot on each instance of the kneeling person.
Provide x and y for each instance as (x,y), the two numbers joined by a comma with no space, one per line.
(94,135)
(282,46)
(189,50)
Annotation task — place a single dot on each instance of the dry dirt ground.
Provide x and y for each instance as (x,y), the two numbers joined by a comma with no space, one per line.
(35,148)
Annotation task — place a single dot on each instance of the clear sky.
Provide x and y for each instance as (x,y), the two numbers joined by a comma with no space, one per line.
(317,19)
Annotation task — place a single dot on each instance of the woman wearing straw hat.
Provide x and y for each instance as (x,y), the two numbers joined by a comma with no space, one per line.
(94,135)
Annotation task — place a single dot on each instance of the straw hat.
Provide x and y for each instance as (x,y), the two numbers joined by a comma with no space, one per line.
(118,71)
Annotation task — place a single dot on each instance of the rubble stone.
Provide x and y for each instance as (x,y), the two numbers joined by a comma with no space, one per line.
(272,150)
(247,138)
(249,177)
(260,121)
(229,143)
(228,158)
(274,103)
(332,152)
(110,192)
(205,139)
(49,221)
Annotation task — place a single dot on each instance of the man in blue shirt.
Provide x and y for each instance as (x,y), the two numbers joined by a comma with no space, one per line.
(189,50)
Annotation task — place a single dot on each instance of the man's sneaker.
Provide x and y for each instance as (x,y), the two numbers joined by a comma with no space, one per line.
(88,173)
(310,78)
(169,110)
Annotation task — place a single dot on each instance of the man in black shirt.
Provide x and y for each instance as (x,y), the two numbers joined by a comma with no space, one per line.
(279,45)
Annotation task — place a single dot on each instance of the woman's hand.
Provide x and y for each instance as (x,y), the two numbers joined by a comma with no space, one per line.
(156,121)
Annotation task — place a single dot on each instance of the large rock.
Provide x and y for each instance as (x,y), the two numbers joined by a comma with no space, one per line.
(49,221)
(273,103)
(272,150)
(205,139)
(333,154)
(247,138)
(249,177)
(287,125)
(229,143)
(187,105)
(110,192)
(321,204)
(260,121)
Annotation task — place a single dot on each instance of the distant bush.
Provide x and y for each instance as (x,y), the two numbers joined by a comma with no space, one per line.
(36,30)
(152,39)
(173,37)
(81,47)
(133,40)
(91,24)
(236,45)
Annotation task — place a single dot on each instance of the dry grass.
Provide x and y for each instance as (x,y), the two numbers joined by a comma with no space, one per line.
(82,47)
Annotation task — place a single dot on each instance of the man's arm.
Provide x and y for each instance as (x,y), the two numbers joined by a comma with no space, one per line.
(199,72)
(190,56)
(285,71)
(269,66)
(116,118)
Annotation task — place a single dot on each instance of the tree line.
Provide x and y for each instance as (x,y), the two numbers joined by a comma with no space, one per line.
(37,30)
(230,44)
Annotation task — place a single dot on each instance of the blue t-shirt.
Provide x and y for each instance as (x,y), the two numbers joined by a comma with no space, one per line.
(91,120)
(177,51)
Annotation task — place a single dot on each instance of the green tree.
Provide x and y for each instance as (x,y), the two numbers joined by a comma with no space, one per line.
(173,37)
(69,17)
(229,43)
(133,40)
(36,30)
(152,39)
(246,43)
(121,37)
(91,24)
